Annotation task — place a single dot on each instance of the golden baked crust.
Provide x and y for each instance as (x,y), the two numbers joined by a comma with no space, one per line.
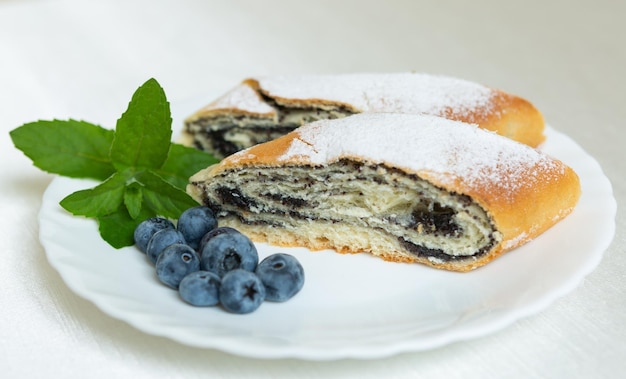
(251,110)
(521,191)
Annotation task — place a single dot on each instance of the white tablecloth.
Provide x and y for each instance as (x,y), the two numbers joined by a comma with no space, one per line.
(83,59)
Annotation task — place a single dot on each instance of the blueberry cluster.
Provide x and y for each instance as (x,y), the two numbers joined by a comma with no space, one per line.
(211,265)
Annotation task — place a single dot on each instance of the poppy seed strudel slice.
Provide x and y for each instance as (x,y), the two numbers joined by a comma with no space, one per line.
(264,108)
(406,188)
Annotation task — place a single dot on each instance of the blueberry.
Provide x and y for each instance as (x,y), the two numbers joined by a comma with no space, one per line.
(214,232)
(162,239)
(228,251)
(175,262)
(282,275)
(200,288)
(146,229)
(196,222)
(241,291)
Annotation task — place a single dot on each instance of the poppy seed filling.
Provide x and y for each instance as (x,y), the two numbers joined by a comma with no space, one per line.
(410,213)
(227,134)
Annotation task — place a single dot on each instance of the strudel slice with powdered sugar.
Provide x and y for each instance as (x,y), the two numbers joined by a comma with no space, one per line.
(264,108)
(406,188)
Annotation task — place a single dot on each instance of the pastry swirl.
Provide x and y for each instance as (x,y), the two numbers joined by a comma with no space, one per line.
(406,188)
(265,108)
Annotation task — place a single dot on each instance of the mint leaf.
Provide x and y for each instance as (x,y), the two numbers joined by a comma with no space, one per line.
(100,200)
(118,228)
(71,148)
(162,196)
(133,199)
(143,132)
(143,174)
(182,162)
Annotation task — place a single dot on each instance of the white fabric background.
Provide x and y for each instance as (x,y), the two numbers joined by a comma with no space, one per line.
(80,59)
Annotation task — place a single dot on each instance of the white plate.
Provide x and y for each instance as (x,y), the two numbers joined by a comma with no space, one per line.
(352,306)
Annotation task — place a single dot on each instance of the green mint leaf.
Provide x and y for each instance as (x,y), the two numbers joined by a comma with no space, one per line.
(163,197)
(143,132)
(182,162)
(132,199)
(101,200)
(143,174)
(71,148)
(118,228)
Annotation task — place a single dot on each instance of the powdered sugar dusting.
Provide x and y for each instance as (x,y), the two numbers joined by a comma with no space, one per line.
(518,240)
(242,97)
(451,149)
(300,148)
(392,93)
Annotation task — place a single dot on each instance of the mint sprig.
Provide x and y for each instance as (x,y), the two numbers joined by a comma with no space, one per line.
(143,173)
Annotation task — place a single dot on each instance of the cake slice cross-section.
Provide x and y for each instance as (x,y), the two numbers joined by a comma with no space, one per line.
(261,109)
(405,188)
